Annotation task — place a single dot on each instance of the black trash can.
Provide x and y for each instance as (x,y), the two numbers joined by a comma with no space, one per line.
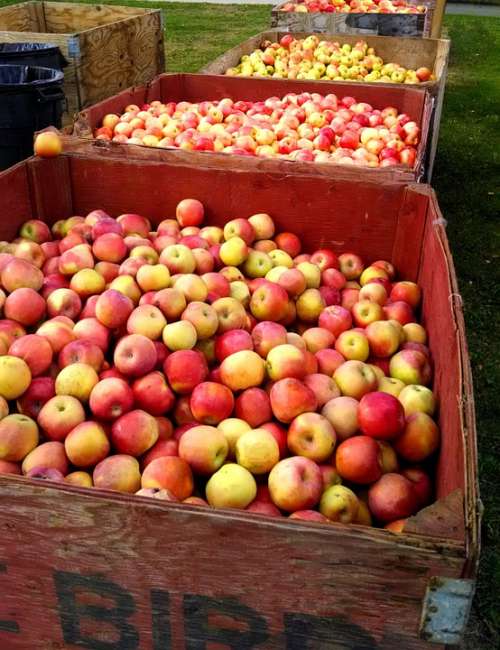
(31,99)
(43,55)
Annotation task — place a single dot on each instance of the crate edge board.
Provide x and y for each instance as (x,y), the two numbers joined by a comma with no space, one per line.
(410,540)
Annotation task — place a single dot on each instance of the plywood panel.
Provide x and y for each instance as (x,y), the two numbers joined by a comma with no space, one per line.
(18,18)
(69,17)
(119,55)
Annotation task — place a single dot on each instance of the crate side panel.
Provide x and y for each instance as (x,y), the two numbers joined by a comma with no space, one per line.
(445,336)
(346,216)
(18,18)
(119,55)
(99,575)
(15,200)
(68,17)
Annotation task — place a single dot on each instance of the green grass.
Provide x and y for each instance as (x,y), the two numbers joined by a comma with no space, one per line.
(467,180)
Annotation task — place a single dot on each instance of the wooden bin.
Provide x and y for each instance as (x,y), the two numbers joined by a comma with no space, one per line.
(96,569)
(356,23)
(108,48)
(192,87)
(411,53)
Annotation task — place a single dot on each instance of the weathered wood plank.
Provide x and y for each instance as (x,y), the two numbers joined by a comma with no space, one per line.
(69,17)
(118,55)
(105,568)
(18,18)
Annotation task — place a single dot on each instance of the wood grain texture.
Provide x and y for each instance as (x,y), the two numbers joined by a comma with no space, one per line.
(125,53)
(109,551)
(18,18)
(69,17)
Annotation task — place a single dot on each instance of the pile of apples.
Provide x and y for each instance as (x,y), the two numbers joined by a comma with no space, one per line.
(307,127)
(214,367)
(313,58)
(353,7)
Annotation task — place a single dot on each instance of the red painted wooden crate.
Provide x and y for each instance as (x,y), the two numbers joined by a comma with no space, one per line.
(101,570)
(194,88)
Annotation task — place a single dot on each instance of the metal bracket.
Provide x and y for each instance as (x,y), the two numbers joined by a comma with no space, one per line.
(446,609)
(74,47)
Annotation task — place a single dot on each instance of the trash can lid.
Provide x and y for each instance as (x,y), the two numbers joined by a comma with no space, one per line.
(27,75)
(26,48)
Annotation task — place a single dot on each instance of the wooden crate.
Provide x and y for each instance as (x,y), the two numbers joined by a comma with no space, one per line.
(356,23)
(411,53)
(192,87)
(97,569)
(108,48)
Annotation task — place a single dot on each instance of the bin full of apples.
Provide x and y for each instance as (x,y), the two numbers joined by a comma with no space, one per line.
(320,59)
(307,127)
(219,367)
(354,7)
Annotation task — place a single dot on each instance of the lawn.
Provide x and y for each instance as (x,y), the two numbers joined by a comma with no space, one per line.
(467,180)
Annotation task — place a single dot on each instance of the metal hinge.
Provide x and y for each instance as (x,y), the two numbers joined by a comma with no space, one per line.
(446,609)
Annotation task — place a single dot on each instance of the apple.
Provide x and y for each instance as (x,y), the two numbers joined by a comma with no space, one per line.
(365,312)
(324,387)
(119,472)
(289,398)
(111,398)
(242,369)
(253,406)
(87,444)
(399,311)
(422,485)
(232,486)
(285,360)
(381,416)
(383,338)
(211,402)
(231,314)
(358,460)
(415,399)
(113,308)
(179,336)
(189,212)
(269,302)
(185,369)
(205,448)
(295,483)
(351,265)
(152,393)
(48,144)
(310,305)
(18,437)
(135,355)
(134,433)
(263,225)
(266,335)
(392,497)
(353,345)
(257,451)
(420,438)
(318,338)
(355,379)
(342,413)
(336,319)
(411,367)
(31,401)
(406,291)
(35,350)
(311,435)
(339,503)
